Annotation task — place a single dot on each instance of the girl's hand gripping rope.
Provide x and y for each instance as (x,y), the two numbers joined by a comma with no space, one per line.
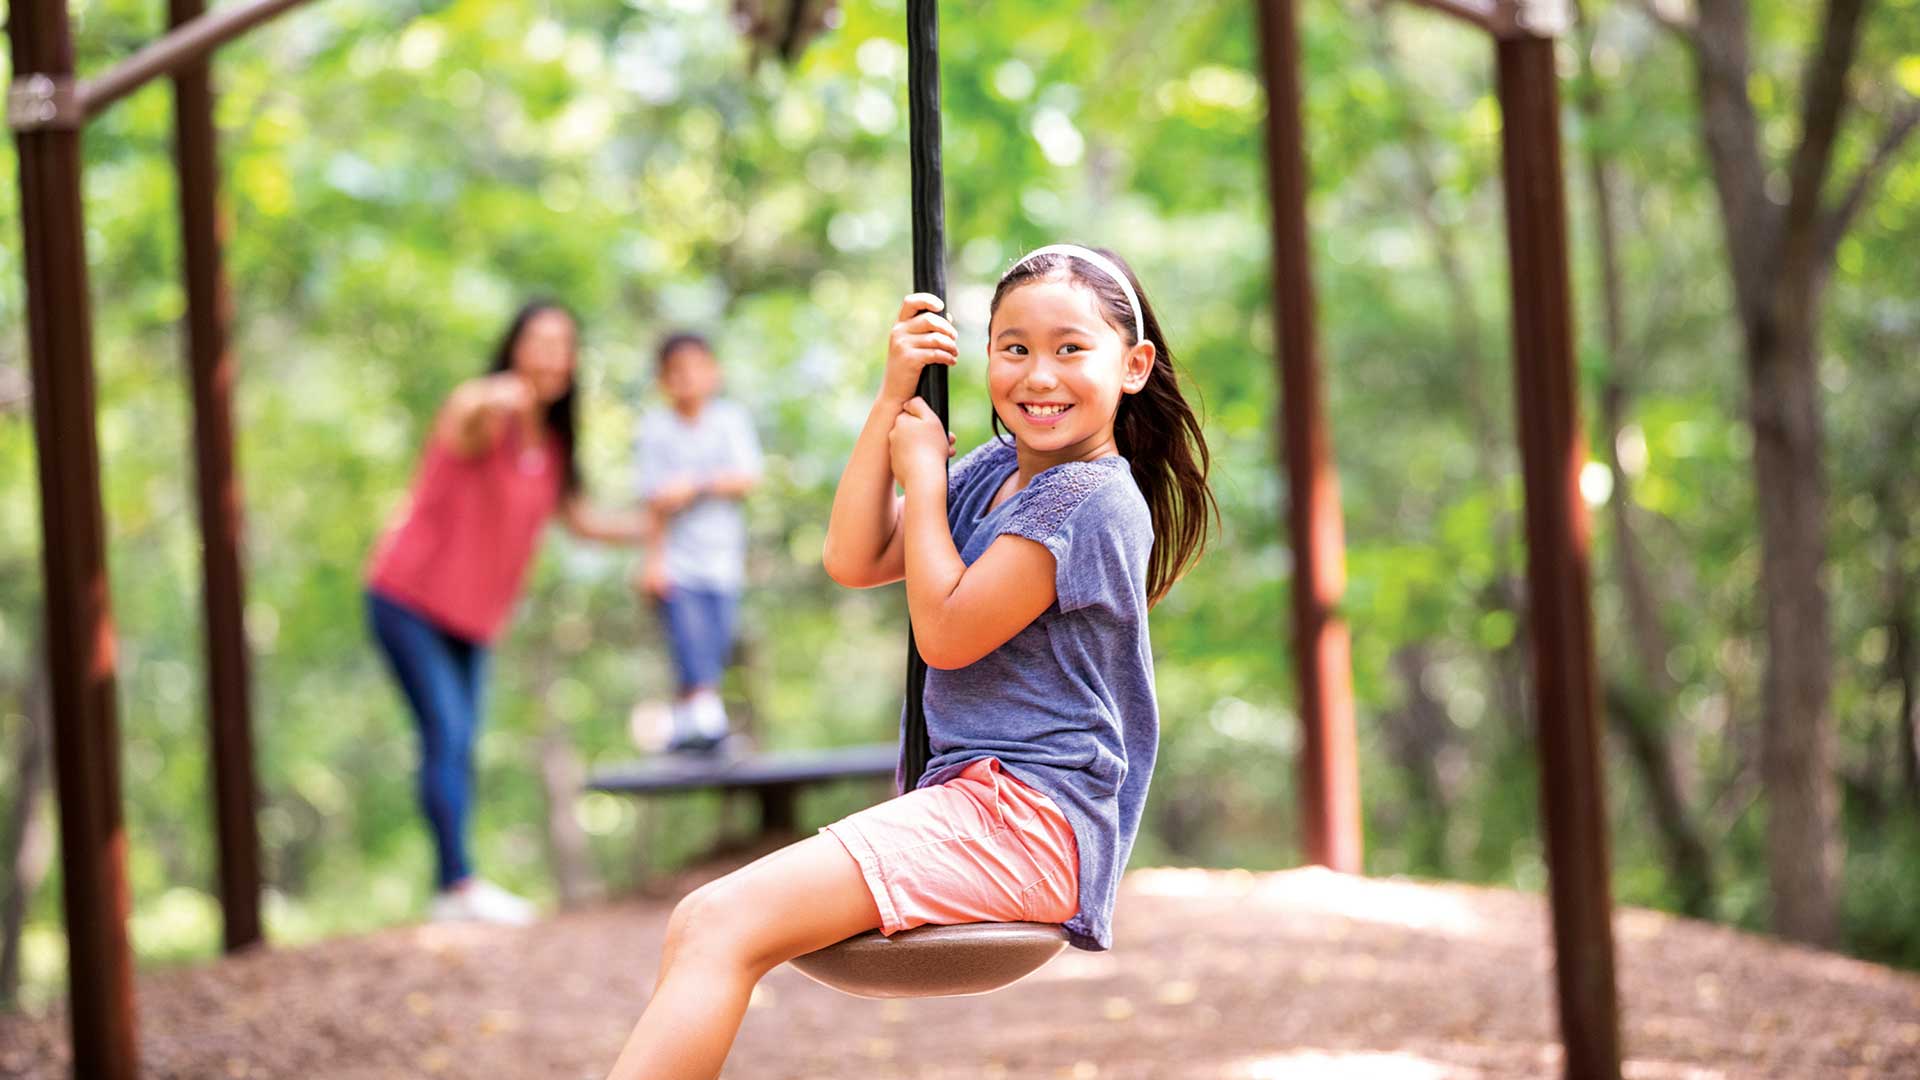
(920,337)
(919,446)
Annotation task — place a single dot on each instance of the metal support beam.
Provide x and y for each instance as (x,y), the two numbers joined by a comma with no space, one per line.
(186,44)
(79,624)
(1506,18)
(1329,766)
(210,364)
(1481,13)
(1552,453)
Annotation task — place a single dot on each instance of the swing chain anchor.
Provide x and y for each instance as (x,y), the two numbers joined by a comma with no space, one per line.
(42,102)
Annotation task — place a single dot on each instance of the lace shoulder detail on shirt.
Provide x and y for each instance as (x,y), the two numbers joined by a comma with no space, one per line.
(1054,495)
(980,457)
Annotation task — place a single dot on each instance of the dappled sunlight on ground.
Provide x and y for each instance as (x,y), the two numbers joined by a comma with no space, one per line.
(1215,974)
(1365,1065)
(1388,902)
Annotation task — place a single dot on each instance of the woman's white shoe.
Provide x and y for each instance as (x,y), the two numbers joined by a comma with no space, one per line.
(479,900)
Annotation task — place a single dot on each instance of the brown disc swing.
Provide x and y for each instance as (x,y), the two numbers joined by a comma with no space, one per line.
(929,961)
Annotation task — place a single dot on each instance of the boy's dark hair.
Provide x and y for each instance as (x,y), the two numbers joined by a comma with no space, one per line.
(560,414)
(1155,429)
(676,341)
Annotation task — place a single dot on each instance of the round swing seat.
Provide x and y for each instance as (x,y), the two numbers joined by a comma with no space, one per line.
(934,961)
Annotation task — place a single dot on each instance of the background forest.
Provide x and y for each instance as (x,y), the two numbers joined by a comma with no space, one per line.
(401,173)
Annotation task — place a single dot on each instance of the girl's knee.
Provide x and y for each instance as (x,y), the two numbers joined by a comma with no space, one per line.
(706,923)
(722,924)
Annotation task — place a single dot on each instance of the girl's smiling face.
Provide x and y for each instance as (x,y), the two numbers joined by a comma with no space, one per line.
(1056,369)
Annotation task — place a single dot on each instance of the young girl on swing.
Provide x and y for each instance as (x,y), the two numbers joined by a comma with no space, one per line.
(1029,572)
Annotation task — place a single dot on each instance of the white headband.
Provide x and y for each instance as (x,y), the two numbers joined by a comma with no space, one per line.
(1102,263)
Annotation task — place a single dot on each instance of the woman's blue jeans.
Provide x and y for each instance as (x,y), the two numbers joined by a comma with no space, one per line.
(443,677)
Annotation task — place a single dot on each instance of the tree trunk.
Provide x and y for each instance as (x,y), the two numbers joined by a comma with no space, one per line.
(25,844)
(561,777)
(1635,719)
(1909,722)
(1640,718)
(1903,666)
(1420,736)
(1780,255)
(1796,726)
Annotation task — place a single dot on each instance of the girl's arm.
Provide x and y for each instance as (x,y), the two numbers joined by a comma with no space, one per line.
(960,613)
(863,541)
(863,546)
(479,409)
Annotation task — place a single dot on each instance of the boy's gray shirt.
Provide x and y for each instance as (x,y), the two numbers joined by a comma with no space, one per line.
(706,543)
(1066,705)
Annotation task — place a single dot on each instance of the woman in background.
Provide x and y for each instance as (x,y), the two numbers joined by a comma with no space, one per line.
(499,463)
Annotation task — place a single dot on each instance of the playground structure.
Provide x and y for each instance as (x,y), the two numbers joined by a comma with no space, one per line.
(48,107)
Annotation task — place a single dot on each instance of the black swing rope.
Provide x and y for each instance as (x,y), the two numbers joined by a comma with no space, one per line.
(929,276)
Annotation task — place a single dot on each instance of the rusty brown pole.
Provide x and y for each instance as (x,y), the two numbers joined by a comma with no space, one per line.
(1329,771)
(213,372)
(179,48)
(1485,14)
(1552,452)
(43,112)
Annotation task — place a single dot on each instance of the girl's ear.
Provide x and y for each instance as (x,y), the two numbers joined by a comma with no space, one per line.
(1138,366)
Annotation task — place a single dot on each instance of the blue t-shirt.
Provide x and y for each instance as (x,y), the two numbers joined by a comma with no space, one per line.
(1067,704)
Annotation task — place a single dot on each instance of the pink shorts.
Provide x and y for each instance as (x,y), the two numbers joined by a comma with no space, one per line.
(982,847)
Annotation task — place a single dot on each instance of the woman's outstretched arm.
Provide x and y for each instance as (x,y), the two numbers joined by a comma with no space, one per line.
(479,409)
(587,522)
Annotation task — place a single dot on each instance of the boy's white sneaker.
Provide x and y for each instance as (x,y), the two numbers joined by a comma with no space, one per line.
(709,715)
(479,900)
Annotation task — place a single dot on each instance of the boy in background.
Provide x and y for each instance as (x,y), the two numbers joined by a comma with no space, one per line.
(695,458)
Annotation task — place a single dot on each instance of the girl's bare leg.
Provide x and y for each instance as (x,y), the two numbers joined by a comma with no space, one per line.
(724,936)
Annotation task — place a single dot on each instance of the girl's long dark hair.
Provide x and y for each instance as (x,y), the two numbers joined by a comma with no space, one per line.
(560,414)
(1155,429)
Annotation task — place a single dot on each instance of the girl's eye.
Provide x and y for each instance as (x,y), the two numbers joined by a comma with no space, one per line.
(1017,350)
(1070,348)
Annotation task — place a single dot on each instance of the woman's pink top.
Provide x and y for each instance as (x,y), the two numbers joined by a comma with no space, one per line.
(461,549)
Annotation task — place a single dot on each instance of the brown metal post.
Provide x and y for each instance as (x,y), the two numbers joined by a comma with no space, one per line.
(79,624)
(211,365)
(181,46)
(1329,774)
(1552,452)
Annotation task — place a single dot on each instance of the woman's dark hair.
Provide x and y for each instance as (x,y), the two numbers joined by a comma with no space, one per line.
(1155,429)
(560,414)
(676,341)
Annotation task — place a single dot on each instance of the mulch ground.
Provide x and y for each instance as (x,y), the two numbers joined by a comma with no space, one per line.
(1215,974)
